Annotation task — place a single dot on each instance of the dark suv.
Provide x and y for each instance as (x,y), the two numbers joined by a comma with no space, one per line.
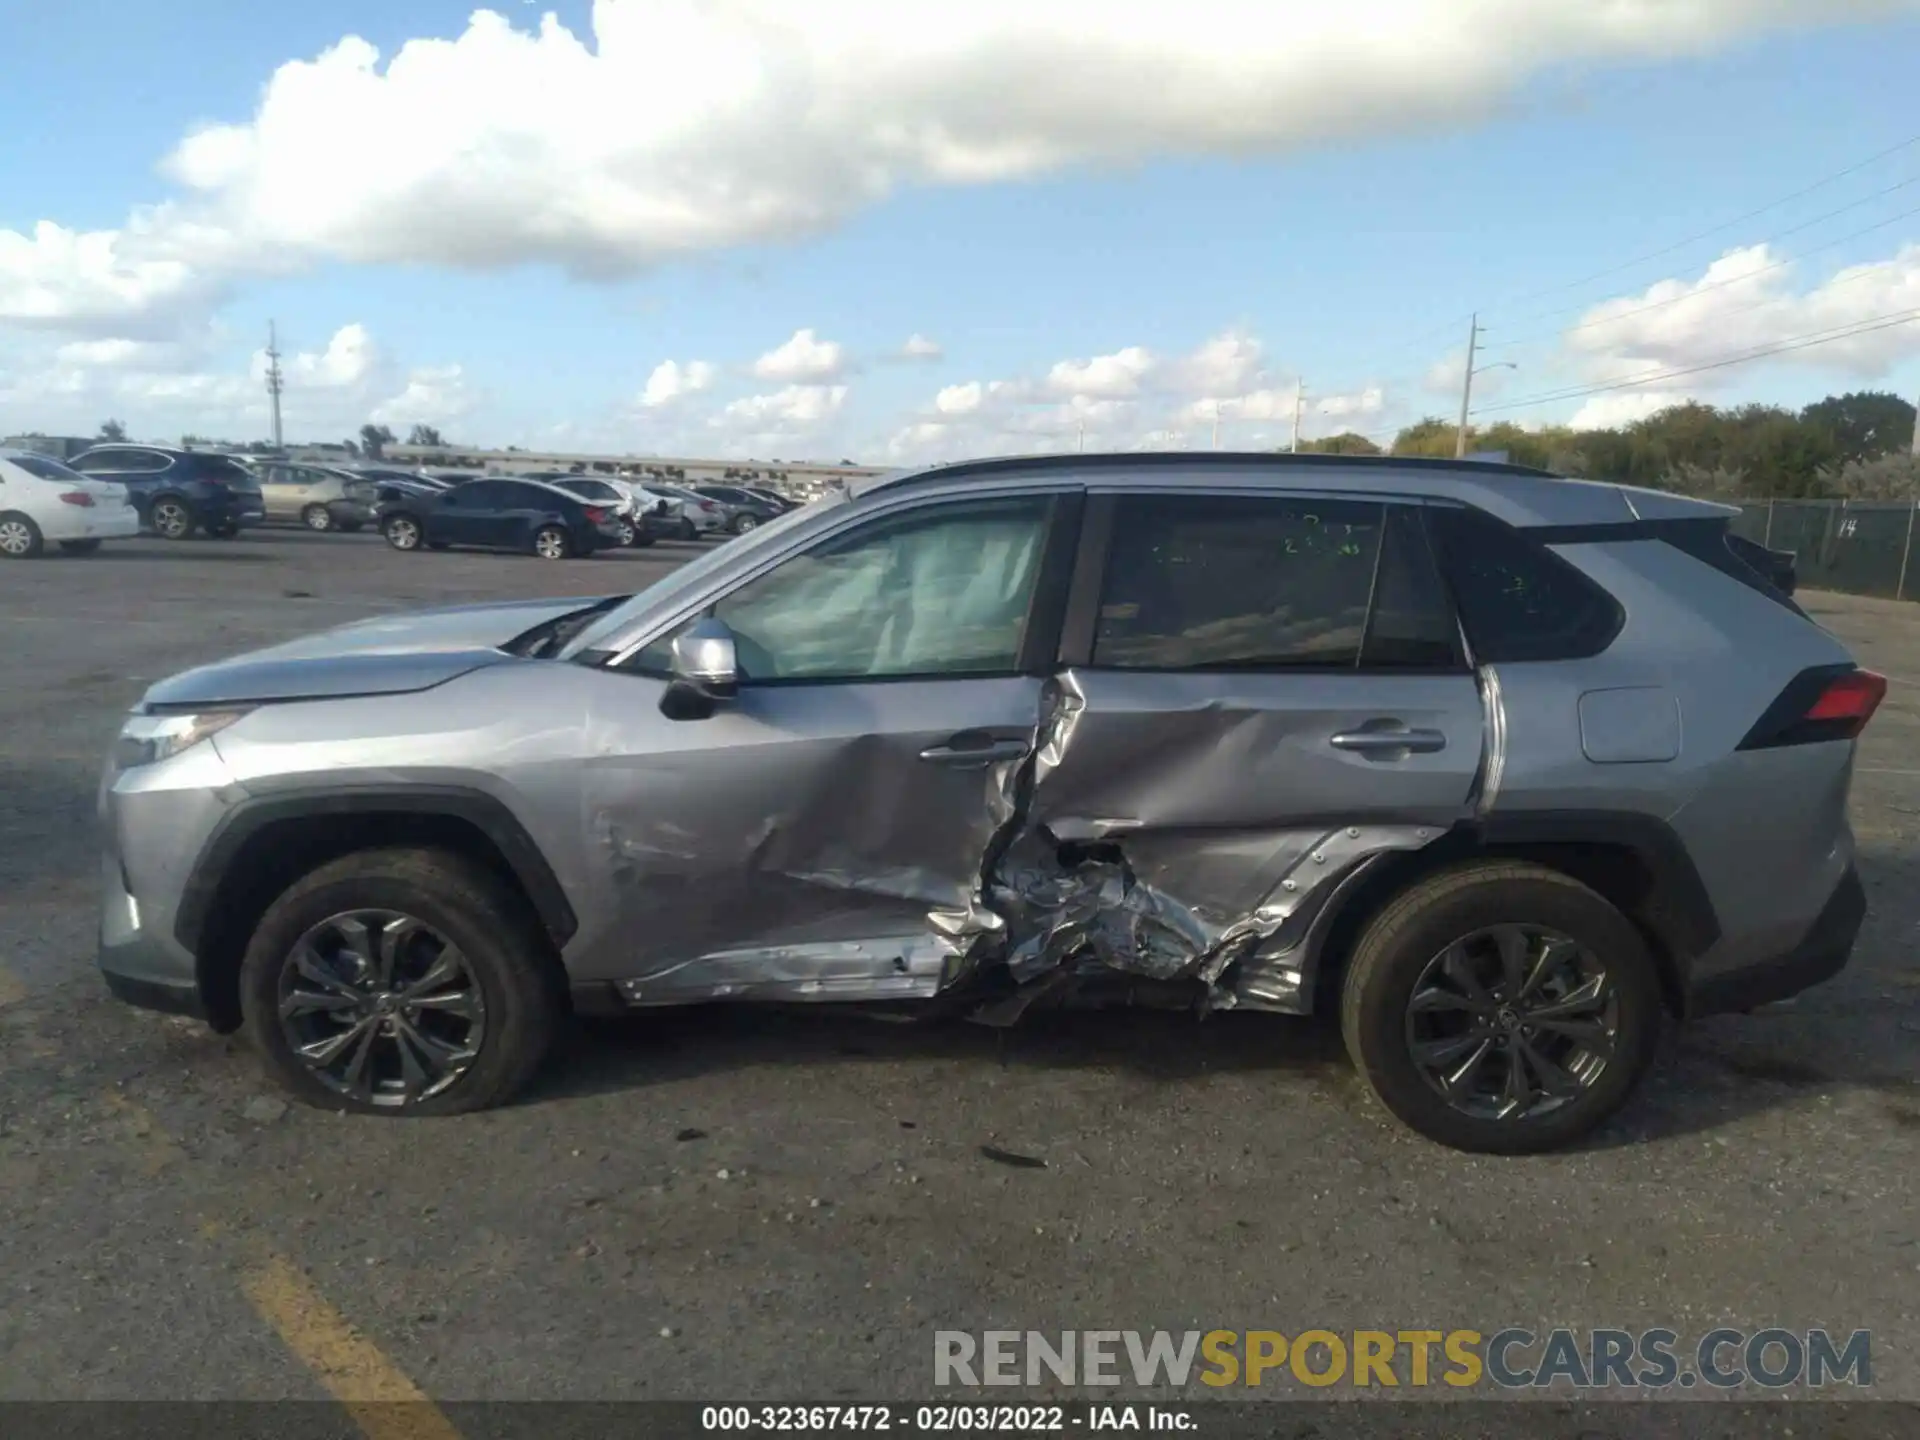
(179,491)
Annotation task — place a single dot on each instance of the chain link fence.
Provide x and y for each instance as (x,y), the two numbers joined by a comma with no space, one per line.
(1860,547)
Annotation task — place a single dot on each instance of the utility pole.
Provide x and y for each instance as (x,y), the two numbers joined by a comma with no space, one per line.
(1466,389)
(274,383)
(1083,438)
(1916,432)
(1299,396)
(1216,424)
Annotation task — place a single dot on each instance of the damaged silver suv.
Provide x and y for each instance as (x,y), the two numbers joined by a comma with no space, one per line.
(1501,768)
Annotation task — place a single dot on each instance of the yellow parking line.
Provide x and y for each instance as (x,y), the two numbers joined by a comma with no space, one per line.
(384,1403)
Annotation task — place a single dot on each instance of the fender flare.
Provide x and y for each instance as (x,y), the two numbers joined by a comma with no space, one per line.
(487,814)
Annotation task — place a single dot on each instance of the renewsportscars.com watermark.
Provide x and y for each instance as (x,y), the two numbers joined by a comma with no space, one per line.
(1771,1359)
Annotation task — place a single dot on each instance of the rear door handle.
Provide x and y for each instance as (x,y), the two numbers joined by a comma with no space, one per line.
(1385,744)
(979,747)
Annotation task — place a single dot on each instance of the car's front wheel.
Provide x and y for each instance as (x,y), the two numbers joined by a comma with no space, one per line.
(317,517)
(402,532)
(1501,1007)
(400,982)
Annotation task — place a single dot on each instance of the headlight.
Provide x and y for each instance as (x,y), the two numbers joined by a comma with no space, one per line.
(149,739)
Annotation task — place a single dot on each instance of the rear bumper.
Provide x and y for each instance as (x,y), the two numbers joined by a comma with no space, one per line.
(1821,955)
(91,522)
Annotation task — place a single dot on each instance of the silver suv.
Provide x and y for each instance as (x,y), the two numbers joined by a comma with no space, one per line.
(1501,768)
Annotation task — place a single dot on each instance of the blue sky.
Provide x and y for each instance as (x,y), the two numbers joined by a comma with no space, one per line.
(528,227)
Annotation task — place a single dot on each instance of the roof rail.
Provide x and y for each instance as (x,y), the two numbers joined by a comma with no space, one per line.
(1192,459)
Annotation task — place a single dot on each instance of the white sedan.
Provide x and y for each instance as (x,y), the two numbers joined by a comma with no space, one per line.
(43,501)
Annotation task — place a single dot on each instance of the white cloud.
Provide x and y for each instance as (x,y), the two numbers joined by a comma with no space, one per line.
(1104,376)
(1607,412)
(1224,365)
(797,407)
(671,381)
(348,360)
(805,358)
(93,281)
(504,145)
(919,347)
(434,395)
(1745,301)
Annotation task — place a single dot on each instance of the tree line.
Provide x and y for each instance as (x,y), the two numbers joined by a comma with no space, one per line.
(1854,446)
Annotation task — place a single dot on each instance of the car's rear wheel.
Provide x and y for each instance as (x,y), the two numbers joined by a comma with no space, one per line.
(1501,1007)
(400,982)
(550,542)
(170,518)
(19,537)
(79,547)
(687,530)
(745,523)
(402,532)
(317,517)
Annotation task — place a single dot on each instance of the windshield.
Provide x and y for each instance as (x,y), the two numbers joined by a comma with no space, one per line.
(598,636)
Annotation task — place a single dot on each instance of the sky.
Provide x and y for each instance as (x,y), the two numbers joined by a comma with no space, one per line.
(907,230)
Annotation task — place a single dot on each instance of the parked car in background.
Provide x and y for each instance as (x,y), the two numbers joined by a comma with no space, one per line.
(43,501)
(1780,567)
(699,516)
(454,477)
(177,492)
(1396,740)
(743,509)
(628,517)
(523,515)
(316,496)
(781,502)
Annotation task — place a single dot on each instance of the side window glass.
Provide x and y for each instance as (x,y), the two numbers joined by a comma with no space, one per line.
(1518,600)
(1216,582)
(943,591)
(1412,624)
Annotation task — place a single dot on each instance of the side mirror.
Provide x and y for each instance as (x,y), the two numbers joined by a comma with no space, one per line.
(706,671)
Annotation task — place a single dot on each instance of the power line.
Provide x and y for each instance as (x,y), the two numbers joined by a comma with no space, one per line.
(1738,279)
(1721,228)
(1653,377)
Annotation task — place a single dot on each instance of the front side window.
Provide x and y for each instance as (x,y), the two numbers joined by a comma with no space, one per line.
(940,591)
(1219,582)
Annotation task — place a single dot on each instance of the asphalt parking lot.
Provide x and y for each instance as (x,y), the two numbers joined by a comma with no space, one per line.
(724,1204)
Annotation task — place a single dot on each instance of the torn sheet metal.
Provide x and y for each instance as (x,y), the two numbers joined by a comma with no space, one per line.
(1142,836)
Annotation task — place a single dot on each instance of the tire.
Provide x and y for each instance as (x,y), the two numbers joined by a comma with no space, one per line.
(170,518)
(79,547)
(403,532)
(742,524)
(226,530)
(317,517)
(642,537)
(629,534)
(551,542)
(20,538)
(687,530)
(506,967)
(1404,950)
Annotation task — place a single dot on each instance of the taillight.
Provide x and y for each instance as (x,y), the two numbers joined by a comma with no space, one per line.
(709,505)
(76,497)
(1828,702)
(595,515)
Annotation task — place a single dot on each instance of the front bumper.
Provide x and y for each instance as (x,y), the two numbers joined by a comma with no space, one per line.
(1820,955)
(141,965)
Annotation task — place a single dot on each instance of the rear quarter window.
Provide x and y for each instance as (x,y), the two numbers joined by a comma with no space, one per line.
(1517,600)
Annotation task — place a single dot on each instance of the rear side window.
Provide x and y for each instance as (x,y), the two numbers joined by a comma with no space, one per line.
(1713,543)
(45,469)
(1517,599)
(1212,582)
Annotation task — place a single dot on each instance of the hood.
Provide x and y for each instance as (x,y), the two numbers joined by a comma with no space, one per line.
(385,655)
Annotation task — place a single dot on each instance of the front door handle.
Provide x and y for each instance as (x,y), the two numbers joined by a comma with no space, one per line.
(1383,743)
(978,747)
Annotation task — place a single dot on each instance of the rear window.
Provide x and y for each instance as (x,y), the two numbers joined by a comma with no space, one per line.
(1518,600)
(45,469)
